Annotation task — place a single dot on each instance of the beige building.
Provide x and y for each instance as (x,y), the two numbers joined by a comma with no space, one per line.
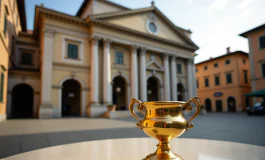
(106,54)
(12,21)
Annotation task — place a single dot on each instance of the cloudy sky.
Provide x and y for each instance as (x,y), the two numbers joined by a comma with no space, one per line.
(215,23)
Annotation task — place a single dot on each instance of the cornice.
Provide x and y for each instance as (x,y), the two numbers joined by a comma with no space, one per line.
(62,16)
(124,29)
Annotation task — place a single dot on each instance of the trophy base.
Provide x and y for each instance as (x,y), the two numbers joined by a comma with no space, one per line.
(163,152)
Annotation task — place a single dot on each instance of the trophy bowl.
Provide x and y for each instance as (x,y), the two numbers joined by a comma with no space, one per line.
(163,120)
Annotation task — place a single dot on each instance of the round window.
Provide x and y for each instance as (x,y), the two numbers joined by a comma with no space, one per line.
(152,27)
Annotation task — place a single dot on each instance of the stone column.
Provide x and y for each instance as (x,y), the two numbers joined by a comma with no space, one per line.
(107,87)
(134,74)
(128,99)
(189,77)
(94,86)
(194,78)
(46,108)
(95,108)
(143,86)
(173,78)
(166,78)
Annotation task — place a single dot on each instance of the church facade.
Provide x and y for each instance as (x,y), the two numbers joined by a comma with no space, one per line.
(105,54)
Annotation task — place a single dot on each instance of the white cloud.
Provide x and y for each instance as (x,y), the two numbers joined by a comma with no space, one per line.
(246,3)
(247,13)
(218,5)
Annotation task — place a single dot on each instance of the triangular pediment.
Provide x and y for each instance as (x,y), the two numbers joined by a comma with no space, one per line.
(150,21)
(92,7)
(154,65)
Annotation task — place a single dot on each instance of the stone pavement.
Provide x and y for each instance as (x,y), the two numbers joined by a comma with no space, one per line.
(17,136)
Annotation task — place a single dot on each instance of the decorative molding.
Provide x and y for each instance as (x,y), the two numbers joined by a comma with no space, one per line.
(86,89)
(49,32)
(62,16)
(157,77)
(66,31)
(151,18)
(62,64)
(154,69)
(119,73)
(80,49)
(146,35)
(118,66)
(155,63)
(177,53)
(56,87)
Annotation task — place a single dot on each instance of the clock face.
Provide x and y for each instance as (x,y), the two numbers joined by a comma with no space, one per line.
(152,27)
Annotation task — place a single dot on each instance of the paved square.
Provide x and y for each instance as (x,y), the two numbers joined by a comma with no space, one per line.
(18,136)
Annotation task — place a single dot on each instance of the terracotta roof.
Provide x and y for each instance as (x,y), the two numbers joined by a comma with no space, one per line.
(29,31)
(252,30)
(84,4)
(22,14)
(142,10)
(224,55)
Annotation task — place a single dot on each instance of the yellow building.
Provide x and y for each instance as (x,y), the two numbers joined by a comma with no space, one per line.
(106,54)
(12,21)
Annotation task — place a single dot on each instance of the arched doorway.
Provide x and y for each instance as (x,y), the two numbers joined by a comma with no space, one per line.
(152,89)
(71,98)
(119,93)
(22,101)
(231,102)
(208,105)
(181,91)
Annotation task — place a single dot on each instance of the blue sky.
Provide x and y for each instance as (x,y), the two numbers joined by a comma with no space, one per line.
(215,23)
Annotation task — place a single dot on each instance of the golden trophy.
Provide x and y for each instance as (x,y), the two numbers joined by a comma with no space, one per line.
(163,120)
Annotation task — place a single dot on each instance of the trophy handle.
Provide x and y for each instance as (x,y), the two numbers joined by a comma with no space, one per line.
(140,107)
(188,107)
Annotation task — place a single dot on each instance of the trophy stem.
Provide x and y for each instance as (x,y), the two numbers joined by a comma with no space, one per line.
(163,152)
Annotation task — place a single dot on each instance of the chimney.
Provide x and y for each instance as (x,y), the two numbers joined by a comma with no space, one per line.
(152,3)
(228,50)
(42,5)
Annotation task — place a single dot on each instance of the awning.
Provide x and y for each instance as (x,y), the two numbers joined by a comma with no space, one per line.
(259,93)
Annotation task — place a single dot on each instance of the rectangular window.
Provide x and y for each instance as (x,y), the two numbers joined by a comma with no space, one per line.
(263,69)
(215,65)
(196,69)
(206,82)
(244,61)
(262,42)
(119,58)
(5,24)
(72,51)
(245,76)
(227,61)
(179,68)
(205,67)
(217,80)
(26,58)
(229,78)
(2,87)
(197,82)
